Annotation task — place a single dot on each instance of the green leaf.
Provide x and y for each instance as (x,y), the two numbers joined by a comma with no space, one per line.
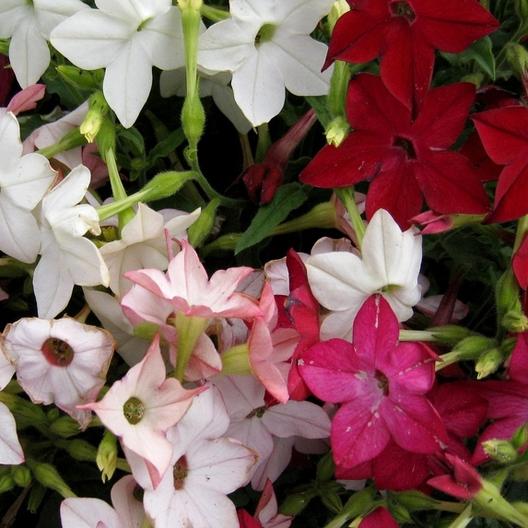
(288,197)
(481,52)
(166,146)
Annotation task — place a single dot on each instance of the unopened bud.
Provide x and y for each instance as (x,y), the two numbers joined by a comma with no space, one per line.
(50,478)
(107,456)
(21,476)
(501,451)
(79,449)
(476,78)
(65,427)
(325,468)
(295,503)
(203,226)
(450,334)
(472,347)
(193,118)
(517,56)
(7,483)
(337,131)
(520,437)
(521,9)
(106,137)
(332,500)
(488,363)
(98,108)
(339,8)
(165,184)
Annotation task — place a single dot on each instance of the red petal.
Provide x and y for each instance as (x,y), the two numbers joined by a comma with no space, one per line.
(443,115)
(511,192)
(520,265)
(396,191)
(450,184)
(359,157)
(358,433)
(473,149)
(504,133)
(518,366)
(407,64)
(452,25)
(247,521)
(500,430)
(379,517)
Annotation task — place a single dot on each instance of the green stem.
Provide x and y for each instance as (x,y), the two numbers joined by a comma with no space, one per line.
(71,140)
(118,189)
(347,198)
(214,14)
(113,208)
(463,519)
(418,335)
(522,229)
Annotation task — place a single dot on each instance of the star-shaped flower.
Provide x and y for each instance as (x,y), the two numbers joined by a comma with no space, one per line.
(127,38)
(267,47)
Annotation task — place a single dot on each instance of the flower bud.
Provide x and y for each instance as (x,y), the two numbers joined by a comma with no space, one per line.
(78,449)
(331,499)
(488,362)
(165,184)
(325,468)
(416,500)
(193,118)
(107,456)
(7,483)
(501,451)
(520,437)
(49,477)
(337,131)
(106,137)
(521,9)
(295,503)
(450,334)
(517,56)
(21,476)
(65,427)
(473,346)
(202,228)
(98,108)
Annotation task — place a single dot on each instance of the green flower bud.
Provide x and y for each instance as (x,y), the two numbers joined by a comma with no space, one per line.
(520,437)
(49,477)
(476,78)
(193,118)
(415,500)
(65,427)
(106,137)
(337,131)
(295,503)
(450,334)
(165,184)
(517,56)
(488,362)
(203,226)
(107,456)
(98,108)
(325,468)
(79,449)
(332,500)
(21,476)
(521,9)
(501,451)
(339,8)
(7,483)
(509,309)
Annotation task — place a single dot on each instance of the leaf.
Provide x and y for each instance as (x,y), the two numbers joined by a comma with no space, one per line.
(166,146)
(481,52)
(288,198)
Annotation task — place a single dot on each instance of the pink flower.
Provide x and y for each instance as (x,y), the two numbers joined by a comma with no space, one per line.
(381,385)
(142,406)
(379,517)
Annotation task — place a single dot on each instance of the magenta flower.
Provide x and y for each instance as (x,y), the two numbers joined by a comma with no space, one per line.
(381,385)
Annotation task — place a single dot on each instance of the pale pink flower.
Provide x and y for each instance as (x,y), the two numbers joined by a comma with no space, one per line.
(59,361)
(206,468)
(267,511)
(142,406)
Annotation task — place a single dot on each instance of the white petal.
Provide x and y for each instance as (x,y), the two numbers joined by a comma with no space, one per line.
(302,16)
(28,180)
(225,100)
(12,14)
(241,394)
(51,13)
(127,82)
(19,232)
(173,83)
(88,513)
(162,38)
(258,86)
(90,39)
(300,59)
(10,144)
(133,10)
(339,324)
(10,448)
(252,433)
(128,508)
(28,53)
(273,467)
(254,11)
(6,369)
(69,191)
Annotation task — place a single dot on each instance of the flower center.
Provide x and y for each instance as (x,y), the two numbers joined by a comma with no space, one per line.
(403,9)
(141,26)
(383,382)
(134,410)
(406,145)
(180,471)
(258,412)
(57,352)
(265,34)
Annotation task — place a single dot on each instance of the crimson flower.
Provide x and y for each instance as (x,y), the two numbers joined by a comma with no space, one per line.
(504,133)
(381,384)
(405,34)
(379,517)
(406,158)
(7,79)
(463,483)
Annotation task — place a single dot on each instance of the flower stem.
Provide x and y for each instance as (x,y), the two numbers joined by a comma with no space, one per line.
(118,190)
(214,14)
(347,198)
(418,335)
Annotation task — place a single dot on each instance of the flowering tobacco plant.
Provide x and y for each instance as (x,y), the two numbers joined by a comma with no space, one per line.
(263,263)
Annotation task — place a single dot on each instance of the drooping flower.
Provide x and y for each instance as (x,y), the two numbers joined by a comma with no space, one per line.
(206,467)
(267,47)
(29,25)
(23,182)
(503,133)
(381,384)
(405,35)
(142,406)
(67,257)
(389,264)
(405,156)
(26,99)
(127,38)
(59,361)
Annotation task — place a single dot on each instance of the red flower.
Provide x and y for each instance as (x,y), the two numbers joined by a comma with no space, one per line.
(520,264)
(405,158)
(405,34)
(379,517)
(504,133)
(464,483)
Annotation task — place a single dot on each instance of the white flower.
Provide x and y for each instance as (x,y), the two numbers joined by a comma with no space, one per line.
(127,37)
(389,264)
(143,245)
(60,361)
(29,24)
(23,182)
(67,258)
(267,47)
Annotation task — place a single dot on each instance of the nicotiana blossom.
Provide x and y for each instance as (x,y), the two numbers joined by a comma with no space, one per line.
(67,257)
(256,423)
(381,384)
(389,264)
(127,38)
(59,361)
(10,448)
(23,182)
(142,406)
(142,245)
(206,467)
(127,511)
(29,25)
(267,47)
